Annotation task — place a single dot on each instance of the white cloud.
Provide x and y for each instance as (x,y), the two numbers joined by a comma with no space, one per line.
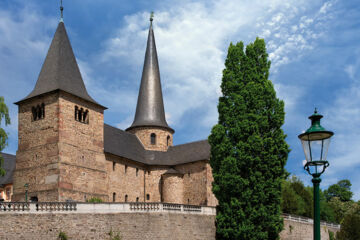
(23,44)
(192,39)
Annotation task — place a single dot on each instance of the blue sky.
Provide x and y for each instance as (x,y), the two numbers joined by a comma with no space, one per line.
(314,47)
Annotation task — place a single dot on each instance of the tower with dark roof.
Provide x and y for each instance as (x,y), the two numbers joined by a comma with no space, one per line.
(61,151)
(66,152)
(150,124)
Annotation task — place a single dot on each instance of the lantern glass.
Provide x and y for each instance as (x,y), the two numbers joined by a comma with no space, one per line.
(315,150)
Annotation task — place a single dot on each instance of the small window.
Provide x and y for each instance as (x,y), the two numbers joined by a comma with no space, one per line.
(148,172)
(147,196)
(114,197)
(126,198)
(38,112)
(81,115)
(137,171)
(114,164)
(137,199)
(126,168)
(153,139)
(168,141)
(188,201)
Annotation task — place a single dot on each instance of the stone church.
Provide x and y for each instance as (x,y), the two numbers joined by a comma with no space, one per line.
(67,153)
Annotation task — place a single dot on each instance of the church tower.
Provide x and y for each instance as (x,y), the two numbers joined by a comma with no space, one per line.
(60,150)
(149,124)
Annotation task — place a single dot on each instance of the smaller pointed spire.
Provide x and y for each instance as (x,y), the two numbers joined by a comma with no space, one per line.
(150,106)
(61,11)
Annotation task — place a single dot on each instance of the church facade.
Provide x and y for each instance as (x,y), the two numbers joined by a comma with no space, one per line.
(67,153)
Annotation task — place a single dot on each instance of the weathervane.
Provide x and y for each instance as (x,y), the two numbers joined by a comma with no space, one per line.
(152,16)
(61,10)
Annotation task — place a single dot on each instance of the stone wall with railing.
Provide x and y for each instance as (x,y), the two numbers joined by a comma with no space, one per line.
(45,220)
(68,207)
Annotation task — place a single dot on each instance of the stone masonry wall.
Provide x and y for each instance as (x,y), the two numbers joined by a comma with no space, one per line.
(195,182)
(303,231)
(81,151)
(172,188)
(142,226)
(162,144)
(131,226)
(37,156)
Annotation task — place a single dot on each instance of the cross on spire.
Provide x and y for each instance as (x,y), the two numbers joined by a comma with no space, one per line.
(151,16)
(61,10)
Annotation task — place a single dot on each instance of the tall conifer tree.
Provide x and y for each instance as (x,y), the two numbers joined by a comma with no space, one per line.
(248,148)
(4,114)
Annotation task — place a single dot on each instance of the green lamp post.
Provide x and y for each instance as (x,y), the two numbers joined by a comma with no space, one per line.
(315,142)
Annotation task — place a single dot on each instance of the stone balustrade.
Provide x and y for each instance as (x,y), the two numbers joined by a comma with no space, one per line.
(77,207)
(301,219)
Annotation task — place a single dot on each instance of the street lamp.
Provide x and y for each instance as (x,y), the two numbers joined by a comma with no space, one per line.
(26,186)
(315,142)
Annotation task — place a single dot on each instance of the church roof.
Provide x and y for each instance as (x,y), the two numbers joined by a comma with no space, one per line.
(9,166)
(60,70)
(124,144)
(150,107)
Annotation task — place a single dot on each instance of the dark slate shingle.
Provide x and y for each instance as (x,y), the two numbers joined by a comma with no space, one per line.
(127,145)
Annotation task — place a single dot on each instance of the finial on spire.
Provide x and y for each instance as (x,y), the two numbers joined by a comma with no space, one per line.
(61,10)
(315,111)
(152,16)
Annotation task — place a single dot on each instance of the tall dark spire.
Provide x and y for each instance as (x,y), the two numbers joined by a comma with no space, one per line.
(60,70)
(150,106)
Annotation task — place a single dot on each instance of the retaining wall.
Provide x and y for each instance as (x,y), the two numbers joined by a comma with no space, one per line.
(131,220)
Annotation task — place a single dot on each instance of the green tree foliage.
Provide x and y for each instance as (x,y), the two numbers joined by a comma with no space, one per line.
(248,148)
(350,226)
(4,114)
(296,198)
(340,190)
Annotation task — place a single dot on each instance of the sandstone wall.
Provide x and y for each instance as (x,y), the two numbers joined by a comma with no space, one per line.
(195,182)
(303,231)
(162,134)
(142,226)
(164,225)
(37,153)
(172,188)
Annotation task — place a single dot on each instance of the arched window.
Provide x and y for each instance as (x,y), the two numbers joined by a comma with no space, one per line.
(81,115)
(126,198)
(114,164)
(147,196)
(38,112)
(168,141)
(137,199)
(137,171)
(34,114)
(153,138)
(114,197)
(76,113)
(85,116)
(125,168)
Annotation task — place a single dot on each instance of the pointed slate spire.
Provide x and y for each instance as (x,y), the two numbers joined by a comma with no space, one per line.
(60,70)
(150,106)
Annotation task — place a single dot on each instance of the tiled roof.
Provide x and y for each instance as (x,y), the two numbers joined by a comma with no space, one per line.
(60,70)
(127,145)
